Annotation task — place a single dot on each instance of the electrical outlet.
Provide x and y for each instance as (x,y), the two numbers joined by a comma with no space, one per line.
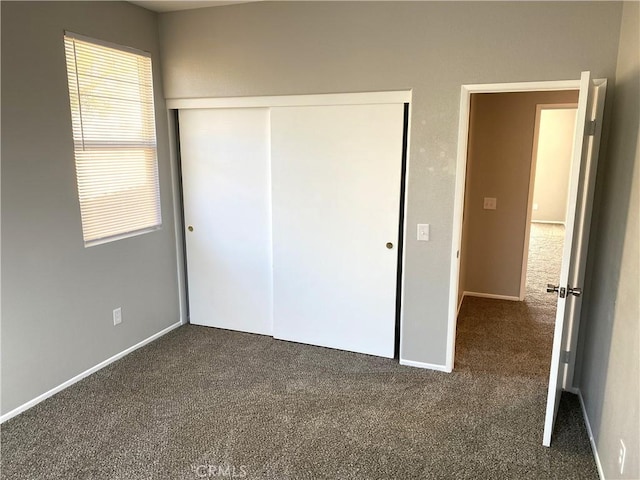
(622,453)
(490,203)
(117,316)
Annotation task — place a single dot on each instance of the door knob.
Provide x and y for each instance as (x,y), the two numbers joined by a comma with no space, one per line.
(389,245)
(556,288)
(576,292)
(190,228)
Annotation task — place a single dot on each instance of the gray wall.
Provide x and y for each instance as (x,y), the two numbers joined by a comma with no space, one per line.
(501,135)
(57,296)
(610,355)
(432,47)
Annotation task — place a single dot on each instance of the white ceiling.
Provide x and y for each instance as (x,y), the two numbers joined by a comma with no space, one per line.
(175,5)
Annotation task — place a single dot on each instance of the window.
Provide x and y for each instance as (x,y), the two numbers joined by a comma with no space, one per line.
(112,113)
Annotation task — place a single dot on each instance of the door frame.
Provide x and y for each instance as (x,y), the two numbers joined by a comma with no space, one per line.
(532,179)
(267,101)
(460,183)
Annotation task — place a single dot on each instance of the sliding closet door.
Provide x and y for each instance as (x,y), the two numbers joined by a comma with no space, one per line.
(226,183)
(336,197)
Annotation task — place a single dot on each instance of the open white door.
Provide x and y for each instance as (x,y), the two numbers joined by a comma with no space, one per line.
(578,220)
(336,173)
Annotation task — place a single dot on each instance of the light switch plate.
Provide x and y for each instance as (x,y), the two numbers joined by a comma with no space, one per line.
(490,203)
(423,232)
(117,316)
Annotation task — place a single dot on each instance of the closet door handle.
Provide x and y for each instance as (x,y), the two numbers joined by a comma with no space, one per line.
(389,245)
(190,228)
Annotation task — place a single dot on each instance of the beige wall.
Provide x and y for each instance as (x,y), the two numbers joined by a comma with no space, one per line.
(501,133)
(57,295)
(270,48)
(610,329)
(552,164)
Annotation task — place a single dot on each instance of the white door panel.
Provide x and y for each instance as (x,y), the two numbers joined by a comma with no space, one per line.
(336,173)
(226,185)
(583,224)
(581,183)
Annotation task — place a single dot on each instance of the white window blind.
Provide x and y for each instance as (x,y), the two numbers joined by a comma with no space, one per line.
(111,93)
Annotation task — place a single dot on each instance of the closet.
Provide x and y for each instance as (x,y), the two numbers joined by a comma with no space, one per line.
(292,216)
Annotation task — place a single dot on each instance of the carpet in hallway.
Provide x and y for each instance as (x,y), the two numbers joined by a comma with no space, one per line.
(543,267)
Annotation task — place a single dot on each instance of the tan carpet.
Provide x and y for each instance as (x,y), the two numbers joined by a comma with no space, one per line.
(545,258)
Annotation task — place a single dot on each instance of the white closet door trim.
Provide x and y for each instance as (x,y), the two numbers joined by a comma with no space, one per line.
(362,98)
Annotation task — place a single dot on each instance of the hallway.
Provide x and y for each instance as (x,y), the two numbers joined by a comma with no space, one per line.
(515,338)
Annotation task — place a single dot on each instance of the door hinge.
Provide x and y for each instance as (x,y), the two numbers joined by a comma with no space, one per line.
(591,128)
(565,355)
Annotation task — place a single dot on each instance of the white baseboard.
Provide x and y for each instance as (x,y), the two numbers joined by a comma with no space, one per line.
(428,366)
(86,373)
(491,295)
(578,392)
(549,222)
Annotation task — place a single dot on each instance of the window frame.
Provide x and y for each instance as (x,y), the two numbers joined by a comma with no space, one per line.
(143,146)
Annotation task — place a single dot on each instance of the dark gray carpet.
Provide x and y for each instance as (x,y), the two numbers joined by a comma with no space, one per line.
(515,338)
(208,403)
(280,410)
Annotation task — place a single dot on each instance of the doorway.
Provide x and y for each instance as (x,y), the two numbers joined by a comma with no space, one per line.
(585,148)
(518,158)
(499,189)
(547,205)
